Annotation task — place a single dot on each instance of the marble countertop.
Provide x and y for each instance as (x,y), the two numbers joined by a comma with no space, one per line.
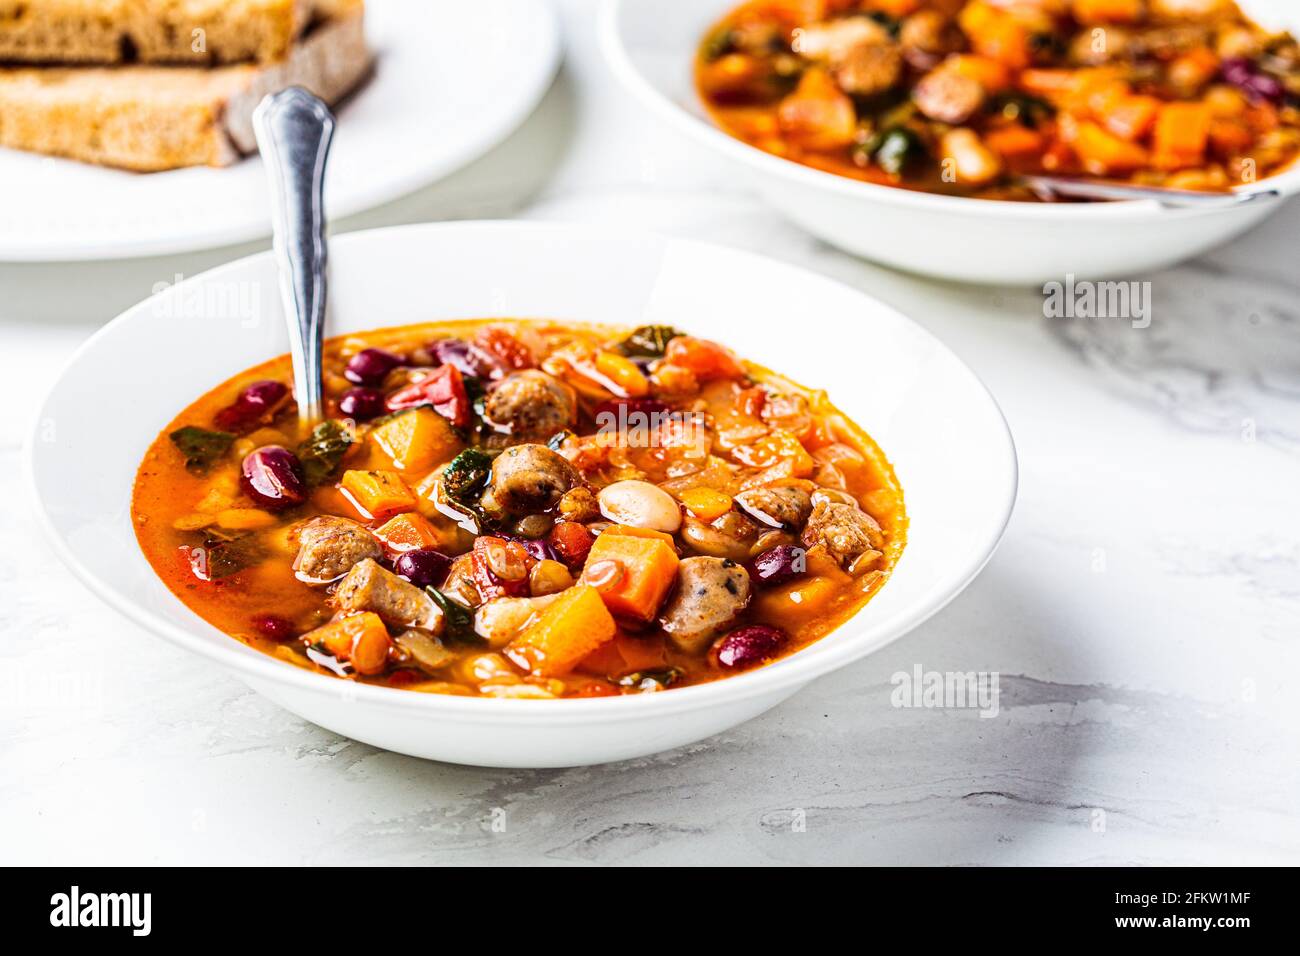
(1143,611)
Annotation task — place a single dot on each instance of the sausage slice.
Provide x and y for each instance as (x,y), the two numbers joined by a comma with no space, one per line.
(328,547)
(368,587)
(710,593)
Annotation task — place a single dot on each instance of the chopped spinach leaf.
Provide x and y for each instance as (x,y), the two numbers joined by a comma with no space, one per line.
(899,148)
(718,44)
(891,24)
(219,554)
(466,477)
(458,625)
(200,446)
(1026,110)
(648,340)
(321,453)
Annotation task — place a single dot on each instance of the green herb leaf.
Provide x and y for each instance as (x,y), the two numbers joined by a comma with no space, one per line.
(219,555)
(1026,110)
(200,446)
(648,340)
(321,453)
(466,477)
(718,44)
(458,624)
(899,148)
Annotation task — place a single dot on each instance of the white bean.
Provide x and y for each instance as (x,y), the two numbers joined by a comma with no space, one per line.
(640,504)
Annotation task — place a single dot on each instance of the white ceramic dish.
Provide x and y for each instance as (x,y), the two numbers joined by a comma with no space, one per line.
(435,102)
(942,430)
(651,47)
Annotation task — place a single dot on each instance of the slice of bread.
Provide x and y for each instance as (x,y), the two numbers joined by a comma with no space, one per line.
(151,118)
(188,32)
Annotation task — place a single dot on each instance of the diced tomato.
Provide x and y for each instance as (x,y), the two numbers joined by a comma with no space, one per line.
(403,677)
(504,347)
(443,389)
(708,360)
(750,401)
(500,567)
(571,541)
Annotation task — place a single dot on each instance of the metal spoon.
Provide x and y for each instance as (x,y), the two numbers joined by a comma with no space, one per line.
(1048,186)
(294,130)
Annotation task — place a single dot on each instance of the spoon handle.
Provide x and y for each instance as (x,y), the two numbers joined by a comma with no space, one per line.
(1097,189)
(294,130)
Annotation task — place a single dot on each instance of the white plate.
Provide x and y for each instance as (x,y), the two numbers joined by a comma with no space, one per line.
(935,421)
(451,81)
(651,47)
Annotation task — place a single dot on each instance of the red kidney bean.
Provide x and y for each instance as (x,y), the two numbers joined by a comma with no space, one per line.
(1247,77)
(362,404)
(778,565)
(255,404)
(274,627)
(747,646)
(371,366)
(272,477)
(422,567)
(469,359)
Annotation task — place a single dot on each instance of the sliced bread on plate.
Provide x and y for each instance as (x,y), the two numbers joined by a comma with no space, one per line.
(150,118)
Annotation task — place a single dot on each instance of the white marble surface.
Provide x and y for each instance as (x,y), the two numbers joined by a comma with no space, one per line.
(1143,611)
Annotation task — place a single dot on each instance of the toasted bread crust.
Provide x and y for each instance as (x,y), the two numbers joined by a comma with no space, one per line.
(187,32)
(152,118)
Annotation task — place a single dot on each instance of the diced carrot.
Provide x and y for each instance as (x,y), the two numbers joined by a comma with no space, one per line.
(1182,133)
(407,532)
(417,440)
(377,494)
(632,573)
(996,34)
(1193,69)
(359,638)
(1014,140)
(625,654)
(244,519)
(1044,82)
(1108,11)
(633,531)
(988,73)
(1102,153)
(625,379)
(1131,117)
(818,116)
(707,504)
(569,629)
(896,8)
(1229,138)
(791,602)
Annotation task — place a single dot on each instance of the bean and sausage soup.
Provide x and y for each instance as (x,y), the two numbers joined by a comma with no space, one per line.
(521,509)
(961,96)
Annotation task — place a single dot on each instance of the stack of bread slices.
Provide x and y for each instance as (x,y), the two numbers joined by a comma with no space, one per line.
(160,84)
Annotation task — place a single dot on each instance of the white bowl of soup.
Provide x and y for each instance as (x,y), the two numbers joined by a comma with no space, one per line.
(838,137)
(588,595)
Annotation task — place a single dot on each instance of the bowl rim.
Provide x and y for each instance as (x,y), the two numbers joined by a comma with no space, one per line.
(786,674)
(617,56)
